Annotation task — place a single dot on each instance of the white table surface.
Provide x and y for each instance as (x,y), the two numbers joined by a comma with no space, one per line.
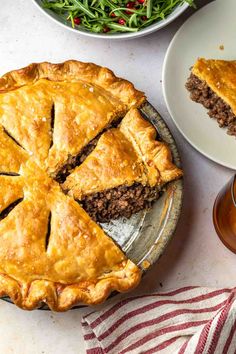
(195,256)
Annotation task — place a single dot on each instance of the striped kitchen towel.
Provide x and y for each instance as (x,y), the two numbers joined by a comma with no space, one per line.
(188,320)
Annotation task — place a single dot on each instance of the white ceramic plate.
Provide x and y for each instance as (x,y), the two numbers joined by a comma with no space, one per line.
(201,36)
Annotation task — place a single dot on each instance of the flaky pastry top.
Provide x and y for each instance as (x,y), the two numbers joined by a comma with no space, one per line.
(220,76)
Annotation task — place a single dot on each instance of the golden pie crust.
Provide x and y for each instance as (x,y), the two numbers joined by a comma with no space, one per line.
(51,251)
(123,156)
(220,76)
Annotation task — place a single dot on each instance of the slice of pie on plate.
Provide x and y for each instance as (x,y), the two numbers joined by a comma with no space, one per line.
(125,172)
(67,120)
(213,84)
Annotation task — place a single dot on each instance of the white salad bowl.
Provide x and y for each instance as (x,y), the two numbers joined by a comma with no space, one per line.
(126,35)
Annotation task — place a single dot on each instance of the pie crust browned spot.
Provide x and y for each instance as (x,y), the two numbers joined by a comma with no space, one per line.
(53,117)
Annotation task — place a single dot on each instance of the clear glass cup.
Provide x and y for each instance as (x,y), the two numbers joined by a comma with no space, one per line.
(224,214)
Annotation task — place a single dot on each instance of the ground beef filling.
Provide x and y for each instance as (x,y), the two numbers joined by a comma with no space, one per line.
(74,161)
(217,108)
(119,202)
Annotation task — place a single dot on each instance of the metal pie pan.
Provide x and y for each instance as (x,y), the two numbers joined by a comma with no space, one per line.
(144,237)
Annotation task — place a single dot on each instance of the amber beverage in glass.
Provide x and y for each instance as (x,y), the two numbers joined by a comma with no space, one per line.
(224,214)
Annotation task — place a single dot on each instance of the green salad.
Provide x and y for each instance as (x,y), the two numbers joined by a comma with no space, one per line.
(113,16)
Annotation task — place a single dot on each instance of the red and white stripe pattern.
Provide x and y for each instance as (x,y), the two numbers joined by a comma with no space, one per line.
(191,320)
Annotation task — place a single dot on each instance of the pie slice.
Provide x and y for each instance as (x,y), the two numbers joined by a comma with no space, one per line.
(125,171)
(213,84)
(55,110)
(51,251)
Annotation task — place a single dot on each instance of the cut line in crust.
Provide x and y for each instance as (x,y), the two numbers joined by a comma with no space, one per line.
(12,174)
(48,231)
(12,138)
(5,212)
